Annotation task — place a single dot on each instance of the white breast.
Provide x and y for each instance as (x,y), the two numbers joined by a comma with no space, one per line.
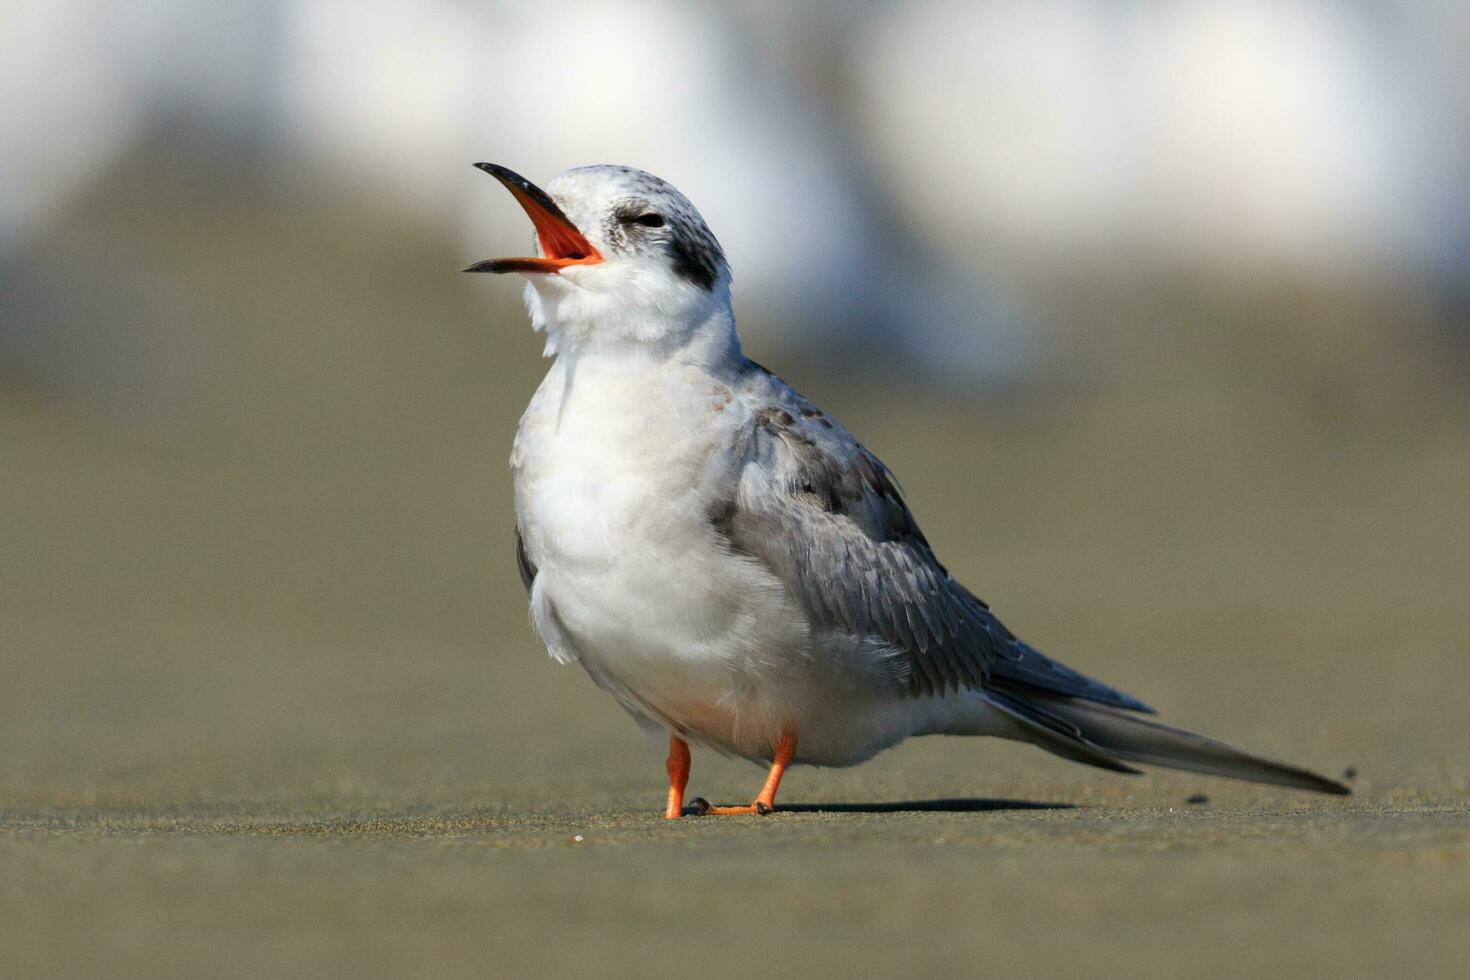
(617,466)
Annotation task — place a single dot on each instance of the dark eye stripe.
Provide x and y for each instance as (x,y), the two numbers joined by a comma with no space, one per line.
(649,220)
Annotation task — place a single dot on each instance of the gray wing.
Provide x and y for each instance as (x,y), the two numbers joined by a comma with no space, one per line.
(827,517)
(523,563)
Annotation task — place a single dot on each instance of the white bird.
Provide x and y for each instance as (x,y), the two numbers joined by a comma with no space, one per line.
(724,558)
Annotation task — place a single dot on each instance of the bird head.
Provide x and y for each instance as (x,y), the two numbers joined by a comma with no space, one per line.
(621,255)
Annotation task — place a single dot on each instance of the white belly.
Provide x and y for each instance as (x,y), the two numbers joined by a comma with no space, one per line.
(614,486)
(612,492)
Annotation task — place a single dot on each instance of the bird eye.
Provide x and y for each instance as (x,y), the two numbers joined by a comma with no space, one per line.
(649,220)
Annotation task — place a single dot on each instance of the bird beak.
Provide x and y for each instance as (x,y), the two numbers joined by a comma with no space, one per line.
(561,243)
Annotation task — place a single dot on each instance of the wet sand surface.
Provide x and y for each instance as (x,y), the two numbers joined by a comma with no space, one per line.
(940,887)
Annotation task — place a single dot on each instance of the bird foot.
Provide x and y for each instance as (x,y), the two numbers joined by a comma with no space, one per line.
(702,807)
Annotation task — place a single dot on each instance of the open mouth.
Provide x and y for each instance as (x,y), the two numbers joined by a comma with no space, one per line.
(561,242)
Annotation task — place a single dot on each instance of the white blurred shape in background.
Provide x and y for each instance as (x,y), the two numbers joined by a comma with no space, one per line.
(999,122)
(1244,136)
(70,104)
(1275,135)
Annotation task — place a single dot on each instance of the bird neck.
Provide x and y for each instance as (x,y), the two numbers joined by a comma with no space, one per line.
(701,334)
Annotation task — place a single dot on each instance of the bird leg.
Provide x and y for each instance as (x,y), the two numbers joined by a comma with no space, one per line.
(677,765)
(765,801)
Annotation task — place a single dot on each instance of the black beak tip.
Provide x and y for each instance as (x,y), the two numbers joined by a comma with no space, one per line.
(489,265)
(516,183)
(502,173)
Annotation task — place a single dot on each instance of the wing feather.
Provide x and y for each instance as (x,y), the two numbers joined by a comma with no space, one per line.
(827,517)
(523,563)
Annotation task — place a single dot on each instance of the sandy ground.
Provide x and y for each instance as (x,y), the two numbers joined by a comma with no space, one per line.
(270,705)
(969,887)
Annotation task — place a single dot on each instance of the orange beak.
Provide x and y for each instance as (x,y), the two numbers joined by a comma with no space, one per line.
(561,242)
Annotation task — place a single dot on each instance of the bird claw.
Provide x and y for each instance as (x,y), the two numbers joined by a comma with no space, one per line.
(700,807)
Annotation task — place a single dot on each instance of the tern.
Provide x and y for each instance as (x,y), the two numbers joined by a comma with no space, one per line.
(725,559)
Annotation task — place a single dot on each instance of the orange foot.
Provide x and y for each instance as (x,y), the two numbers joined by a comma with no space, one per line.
(765,801)
(704,808)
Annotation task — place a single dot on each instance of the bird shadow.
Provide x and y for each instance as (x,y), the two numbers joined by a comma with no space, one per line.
(923,806)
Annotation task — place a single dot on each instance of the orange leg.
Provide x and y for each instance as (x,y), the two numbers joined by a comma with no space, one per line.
(678,767)
(765,802)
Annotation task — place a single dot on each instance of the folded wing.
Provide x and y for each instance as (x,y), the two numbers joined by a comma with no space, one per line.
(827,517)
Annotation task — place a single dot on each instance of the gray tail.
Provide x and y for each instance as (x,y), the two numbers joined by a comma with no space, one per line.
(1109,737)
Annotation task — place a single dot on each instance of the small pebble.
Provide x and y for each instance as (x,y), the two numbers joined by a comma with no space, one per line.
(1350,773)
(1197,799)
(578,838)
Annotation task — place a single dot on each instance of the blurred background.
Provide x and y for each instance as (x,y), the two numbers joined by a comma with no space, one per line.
(1160,311)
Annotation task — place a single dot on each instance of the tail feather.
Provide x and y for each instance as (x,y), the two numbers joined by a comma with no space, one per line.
(1055,734)
(1118,735)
